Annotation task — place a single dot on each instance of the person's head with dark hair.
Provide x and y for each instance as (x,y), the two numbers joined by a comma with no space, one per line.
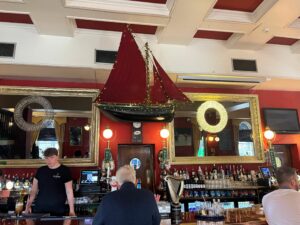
(50,152)
(287,178)
(51,157)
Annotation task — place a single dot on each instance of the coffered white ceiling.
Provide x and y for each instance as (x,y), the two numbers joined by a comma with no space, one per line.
(241,25)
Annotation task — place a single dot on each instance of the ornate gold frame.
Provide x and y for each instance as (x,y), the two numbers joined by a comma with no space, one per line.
(256,124)
(72,92)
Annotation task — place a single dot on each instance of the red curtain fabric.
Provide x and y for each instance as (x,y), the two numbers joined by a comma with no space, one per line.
(167,88)
(158,93)
(127,80)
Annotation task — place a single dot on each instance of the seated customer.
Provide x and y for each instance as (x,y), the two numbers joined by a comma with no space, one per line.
(282,207)
(127,205)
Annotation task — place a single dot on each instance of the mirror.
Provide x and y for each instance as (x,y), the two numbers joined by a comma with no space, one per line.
(238,141)
(34,119)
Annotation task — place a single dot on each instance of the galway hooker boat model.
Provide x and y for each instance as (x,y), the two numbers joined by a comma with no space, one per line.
(127,94)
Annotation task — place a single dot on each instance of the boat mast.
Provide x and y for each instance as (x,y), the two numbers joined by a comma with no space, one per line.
(148,90)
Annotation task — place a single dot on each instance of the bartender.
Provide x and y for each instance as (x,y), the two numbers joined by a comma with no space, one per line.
(52,185)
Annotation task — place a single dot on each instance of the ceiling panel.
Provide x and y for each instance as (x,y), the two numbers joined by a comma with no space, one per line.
(282,41)
(15,18)
(238,5)
(100,25)
(217,35)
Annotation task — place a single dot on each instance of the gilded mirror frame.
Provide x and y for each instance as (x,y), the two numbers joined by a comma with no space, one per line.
(93,160)
(256,129)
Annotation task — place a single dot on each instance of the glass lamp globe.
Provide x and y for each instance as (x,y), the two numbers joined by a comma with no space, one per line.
(210,138)
(269,134)
(164,133)
(87,127)
(107,133)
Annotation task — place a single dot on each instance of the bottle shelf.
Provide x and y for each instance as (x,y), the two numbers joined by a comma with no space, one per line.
(227,188)
(216,197)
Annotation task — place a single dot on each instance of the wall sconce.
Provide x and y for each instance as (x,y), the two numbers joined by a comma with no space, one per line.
(211,138)
(87,127)
(270,155)
(163,153)
(108,163)
(164,134)
(107,134)
(269,136)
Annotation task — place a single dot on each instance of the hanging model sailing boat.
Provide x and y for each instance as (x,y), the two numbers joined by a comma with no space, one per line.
(127,94)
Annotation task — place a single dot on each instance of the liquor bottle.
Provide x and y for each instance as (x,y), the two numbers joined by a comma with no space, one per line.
(227,172)
(187,174)
(175,174)
(234,175)
(206,174)
(214,172)
(200,173)
(222,172)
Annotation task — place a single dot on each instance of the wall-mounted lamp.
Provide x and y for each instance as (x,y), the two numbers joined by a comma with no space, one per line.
(87,127)
(269,136)
(108,163)
(163,153)
(164,133)
(270,155)
(211,138)
(107,134)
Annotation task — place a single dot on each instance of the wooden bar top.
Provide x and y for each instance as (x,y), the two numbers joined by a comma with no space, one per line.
(58,221)
(244,223)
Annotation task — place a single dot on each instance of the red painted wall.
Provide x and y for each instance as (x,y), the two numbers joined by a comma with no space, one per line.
(122,131)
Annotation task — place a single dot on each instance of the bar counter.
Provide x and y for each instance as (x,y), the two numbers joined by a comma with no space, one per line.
(243,223)
(54,221)
(88,221)
(47,221)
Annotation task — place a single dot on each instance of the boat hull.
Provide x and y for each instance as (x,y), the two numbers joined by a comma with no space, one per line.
(139,113)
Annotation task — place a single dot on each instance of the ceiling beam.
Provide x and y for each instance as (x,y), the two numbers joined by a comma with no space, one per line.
(182,28)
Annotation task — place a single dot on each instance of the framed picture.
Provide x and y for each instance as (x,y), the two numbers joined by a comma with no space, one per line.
(183,136)
(75,136)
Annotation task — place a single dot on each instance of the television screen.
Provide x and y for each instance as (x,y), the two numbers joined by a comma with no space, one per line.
(266,171)
(282,120)
(89,177)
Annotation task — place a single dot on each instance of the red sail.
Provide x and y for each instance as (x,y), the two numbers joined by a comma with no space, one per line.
(164,89)
(127,80)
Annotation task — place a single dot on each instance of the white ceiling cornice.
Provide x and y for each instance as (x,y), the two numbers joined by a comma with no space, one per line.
(121,6)
(15,1)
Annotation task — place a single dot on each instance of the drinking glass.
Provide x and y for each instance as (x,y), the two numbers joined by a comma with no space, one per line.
(19,207)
